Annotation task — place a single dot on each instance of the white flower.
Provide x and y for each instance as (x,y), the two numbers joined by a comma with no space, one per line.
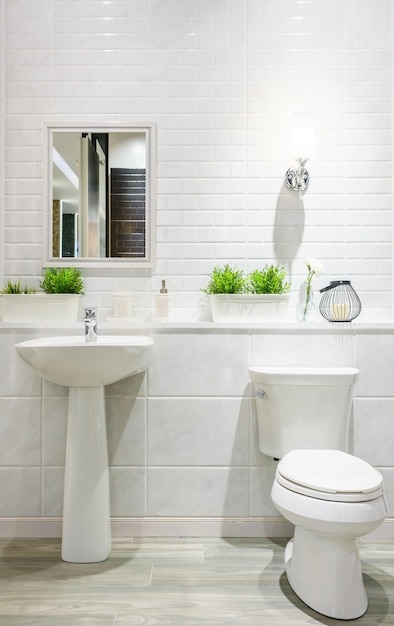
(314,266)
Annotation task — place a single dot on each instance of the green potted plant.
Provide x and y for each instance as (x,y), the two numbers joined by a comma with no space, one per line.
(226,279)
(261,295)
(15,288)
(62,280)
(58,301)
(271,279)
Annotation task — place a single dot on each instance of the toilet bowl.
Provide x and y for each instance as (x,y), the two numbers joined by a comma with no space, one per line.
(330,496)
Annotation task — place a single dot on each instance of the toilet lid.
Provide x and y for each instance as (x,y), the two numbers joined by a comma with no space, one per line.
(331,473)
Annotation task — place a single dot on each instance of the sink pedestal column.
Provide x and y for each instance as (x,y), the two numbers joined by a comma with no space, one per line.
(86,506)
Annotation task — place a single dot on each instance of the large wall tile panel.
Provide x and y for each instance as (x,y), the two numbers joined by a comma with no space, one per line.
(199,365)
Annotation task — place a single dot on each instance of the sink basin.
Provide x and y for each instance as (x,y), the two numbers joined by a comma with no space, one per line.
(73,362)
(85,368)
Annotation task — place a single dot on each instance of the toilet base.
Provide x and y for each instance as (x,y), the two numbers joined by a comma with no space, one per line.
(325,573)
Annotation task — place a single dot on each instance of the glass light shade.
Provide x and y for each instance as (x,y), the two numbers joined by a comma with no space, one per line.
(303,143)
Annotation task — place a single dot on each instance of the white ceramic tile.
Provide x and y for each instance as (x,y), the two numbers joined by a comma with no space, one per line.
(20,431)
(261,480)
(17,378)
(299,349)
(198,431)
(132,386)
(189,364)
(126,431)
(20,492)
(373,430)
(128,492)
(198,491)
(52,491)
(375,360)
(54,430)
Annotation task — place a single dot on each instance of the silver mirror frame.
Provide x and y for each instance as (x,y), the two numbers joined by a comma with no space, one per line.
(148,261)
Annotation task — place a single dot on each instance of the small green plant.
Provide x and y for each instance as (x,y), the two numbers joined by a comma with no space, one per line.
(62,280)
(226,280)
(271,279)
(11,287)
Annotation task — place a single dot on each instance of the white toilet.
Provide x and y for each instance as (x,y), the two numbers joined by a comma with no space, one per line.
(331,497)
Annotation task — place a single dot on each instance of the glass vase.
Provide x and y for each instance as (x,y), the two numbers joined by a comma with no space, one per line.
(306,309)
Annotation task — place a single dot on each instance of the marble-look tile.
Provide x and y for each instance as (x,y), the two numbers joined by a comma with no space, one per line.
(261,480)
(54,430)
(198,431)
(17,378)
(201,491)
(20,491)
(126,429)
(280,349)
(52,391)
(20,431)
(203,365)
(130,387)
(373,430)
(375,360)
(128,491)
(52,491)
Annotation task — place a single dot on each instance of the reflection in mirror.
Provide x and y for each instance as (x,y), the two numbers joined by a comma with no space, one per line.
(101,195)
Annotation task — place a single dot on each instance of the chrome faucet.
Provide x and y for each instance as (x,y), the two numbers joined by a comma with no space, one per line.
(90,319)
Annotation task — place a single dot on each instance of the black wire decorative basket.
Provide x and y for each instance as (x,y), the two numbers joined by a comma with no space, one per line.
(339,302)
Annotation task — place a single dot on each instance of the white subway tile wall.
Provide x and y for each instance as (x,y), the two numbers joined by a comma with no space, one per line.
(225,82)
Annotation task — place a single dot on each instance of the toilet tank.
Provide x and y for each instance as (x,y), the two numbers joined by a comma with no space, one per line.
(299,407)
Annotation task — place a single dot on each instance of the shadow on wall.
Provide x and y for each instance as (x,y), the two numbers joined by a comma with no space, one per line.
(250,474)
(288,226)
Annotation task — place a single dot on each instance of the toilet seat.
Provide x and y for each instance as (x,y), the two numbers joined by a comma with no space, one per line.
(329,475)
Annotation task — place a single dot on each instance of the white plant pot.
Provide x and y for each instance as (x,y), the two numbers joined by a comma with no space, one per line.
(249,307)
(40,307)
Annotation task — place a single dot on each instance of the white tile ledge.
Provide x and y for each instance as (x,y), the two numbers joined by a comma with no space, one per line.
(131,327)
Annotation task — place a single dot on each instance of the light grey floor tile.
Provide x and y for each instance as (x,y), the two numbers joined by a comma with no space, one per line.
(173,582)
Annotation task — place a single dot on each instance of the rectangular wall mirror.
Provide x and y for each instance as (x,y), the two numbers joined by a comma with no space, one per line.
(101,195)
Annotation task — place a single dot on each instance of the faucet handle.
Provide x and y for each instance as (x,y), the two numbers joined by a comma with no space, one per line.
(90,312)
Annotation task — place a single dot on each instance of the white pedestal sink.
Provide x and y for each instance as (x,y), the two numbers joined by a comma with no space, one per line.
(85,368)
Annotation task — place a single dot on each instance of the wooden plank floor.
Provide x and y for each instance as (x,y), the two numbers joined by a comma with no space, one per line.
(173,582)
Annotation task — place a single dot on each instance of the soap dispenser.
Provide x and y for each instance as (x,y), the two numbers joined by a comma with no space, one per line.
(163,304)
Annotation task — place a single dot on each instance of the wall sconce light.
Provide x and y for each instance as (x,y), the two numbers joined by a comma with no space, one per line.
(303,147)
